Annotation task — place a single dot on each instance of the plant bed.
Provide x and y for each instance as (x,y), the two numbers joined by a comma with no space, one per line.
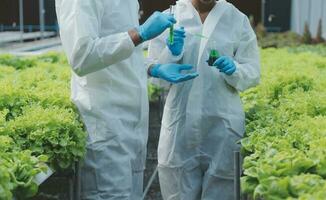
(279,40)
(39,126)
(285,147)
(62,185)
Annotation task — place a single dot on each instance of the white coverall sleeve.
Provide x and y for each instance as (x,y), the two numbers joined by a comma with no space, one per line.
(247,61)
(86,49)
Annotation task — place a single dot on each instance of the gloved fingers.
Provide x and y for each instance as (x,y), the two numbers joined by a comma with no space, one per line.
(227,67)
(219,61)
(175,44)
(192,75)
(226,62)
(230,71)
(220,66)
(162,17)
(168,22)
(168,25)
(185,67)
(170,18)
(177,51)
(181,78)
(173,78)
(186,77)
(179,37)
(178,43)
(179,31)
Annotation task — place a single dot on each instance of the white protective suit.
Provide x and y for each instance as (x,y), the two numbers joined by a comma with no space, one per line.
(203,118)
(109,87)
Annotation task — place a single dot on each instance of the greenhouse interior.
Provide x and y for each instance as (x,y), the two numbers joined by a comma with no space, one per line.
(162,100)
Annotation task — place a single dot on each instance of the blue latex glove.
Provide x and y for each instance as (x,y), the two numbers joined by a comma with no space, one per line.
(179,40)
(172,72)
(155,25)
(226,65)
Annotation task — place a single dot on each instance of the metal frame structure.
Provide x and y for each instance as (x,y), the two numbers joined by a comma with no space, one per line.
(263,11)
(41,16)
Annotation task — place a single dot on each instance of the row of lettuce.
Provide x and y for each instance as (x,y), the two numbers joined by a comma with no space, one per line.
(39,125)
(285,148)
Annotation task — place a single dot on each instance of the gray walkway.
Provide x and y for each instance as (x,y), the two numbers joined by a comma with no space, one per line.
(33,47)
(15,36)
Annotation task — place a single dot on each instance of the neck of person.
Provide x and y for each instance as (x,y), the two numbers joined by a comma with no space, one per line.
(203,7)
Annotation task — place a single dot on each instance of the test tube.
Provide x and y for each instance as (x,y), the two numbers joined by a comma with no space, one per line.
(213,53)
(171,36)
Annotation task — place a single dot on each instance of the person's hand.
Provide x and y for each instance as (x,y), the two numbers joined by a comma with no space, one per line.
(172,72)
(155,25)
(179,39)
(226,65)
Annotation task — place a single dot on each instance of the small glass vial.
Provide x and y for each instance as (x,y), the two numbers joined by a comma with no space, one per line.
(213,54)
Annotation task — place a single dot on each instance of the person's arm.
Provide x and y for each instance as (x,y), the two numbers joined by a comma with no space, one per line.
(86,50)
(246,60)
(80,24)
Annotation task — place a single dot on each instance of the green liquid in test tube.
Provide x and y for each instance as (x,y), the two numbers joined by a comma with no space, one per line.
(171,36)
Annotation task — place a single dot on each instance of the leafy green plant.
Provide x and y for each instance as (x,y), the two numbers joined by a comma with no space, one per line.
(54,132)
(17,174)
(277,40)
(38,123)
(17,62)
(154,92)
(285,147)
(5,183)
(53,57)
(319,49)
